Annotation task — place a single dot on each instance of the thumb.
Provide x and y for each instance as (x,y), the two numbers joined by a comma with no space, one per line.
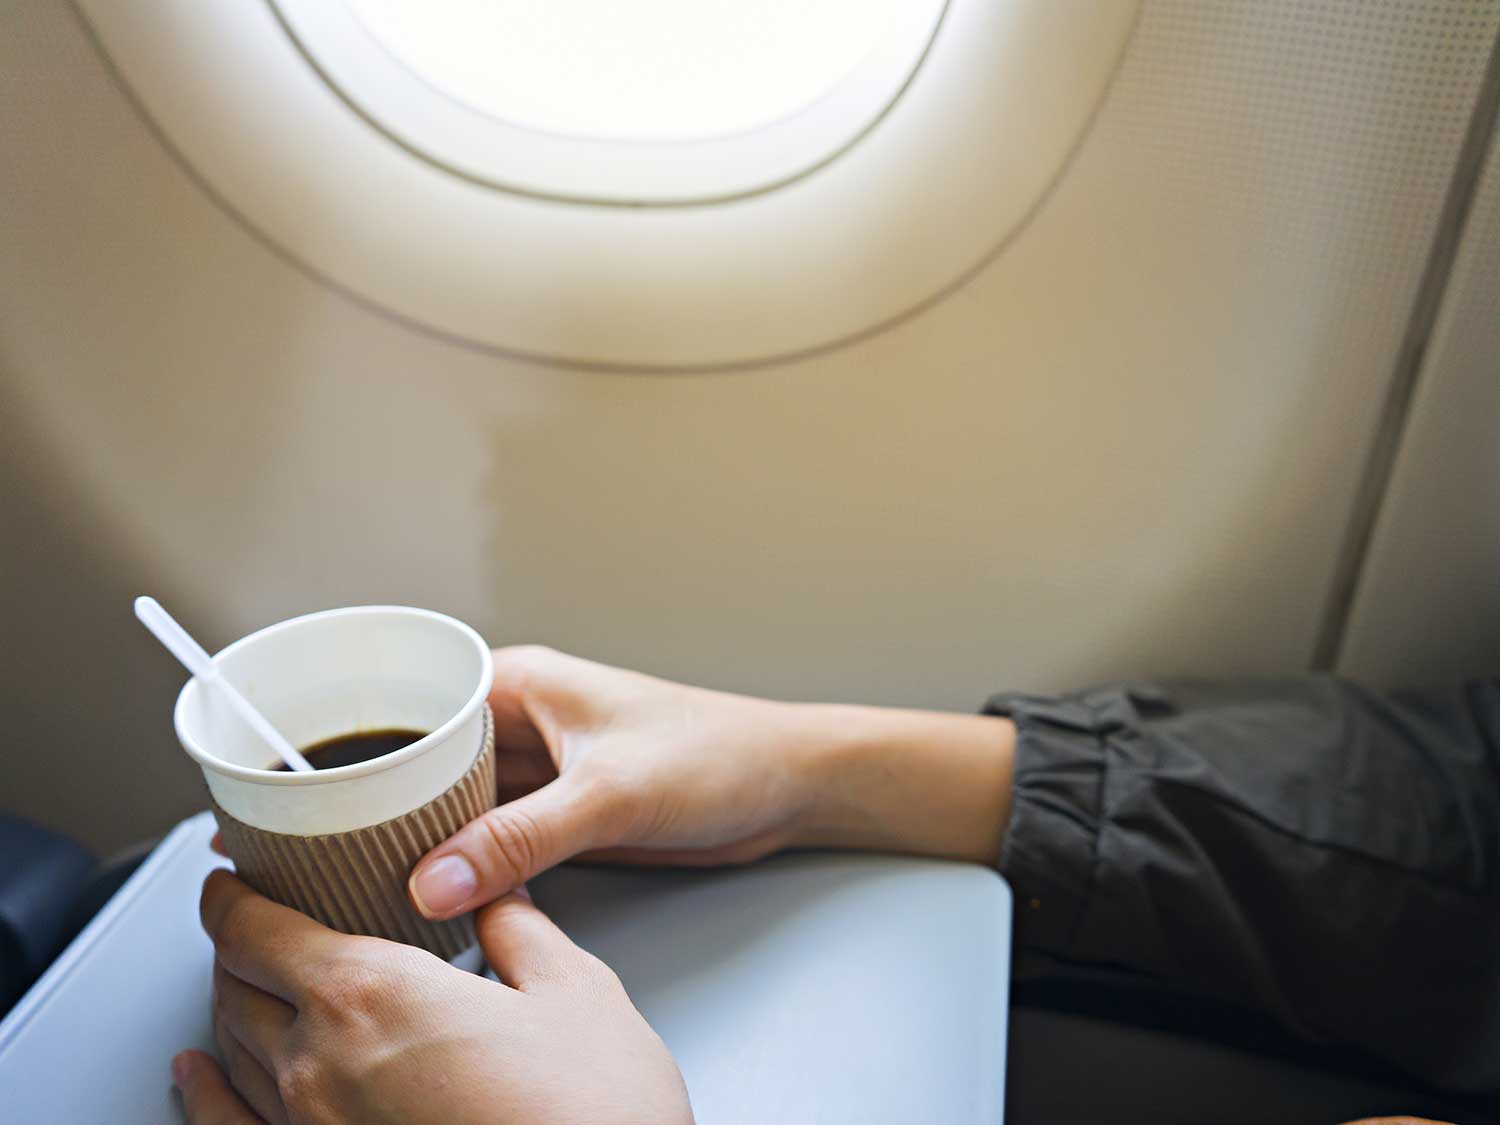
(503,848)
(524,946)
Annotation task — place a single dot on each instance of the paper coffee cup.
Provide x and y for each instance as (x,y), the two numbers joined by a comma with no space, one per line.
(339,844)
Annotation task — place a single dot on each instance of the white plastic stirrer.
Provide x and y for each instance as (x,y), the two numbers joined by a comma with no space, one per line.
(176,640)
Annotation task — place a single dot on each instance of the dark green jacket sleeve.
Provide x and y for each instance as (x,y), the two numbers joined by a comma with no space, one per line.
(1306,848)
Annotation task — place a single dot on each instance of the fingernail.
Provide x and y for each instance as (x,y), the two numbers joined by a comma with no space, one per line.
(522,892)
(443,885)
(180,1068)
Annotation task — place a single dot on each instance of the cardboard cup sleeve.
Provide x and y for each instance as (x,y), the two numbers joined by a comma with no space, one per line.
(355,881)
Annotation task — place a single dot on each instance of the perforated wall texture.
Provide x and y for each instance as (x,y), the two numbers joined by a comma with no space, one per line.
(1428,605)
(1128,445)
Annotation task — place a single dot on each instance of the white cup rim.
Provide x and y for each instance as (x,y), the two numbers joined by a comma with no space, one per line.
(360,769)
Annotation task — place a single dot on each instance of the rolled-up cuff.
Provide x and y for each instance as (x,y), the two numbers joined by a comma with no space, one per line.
(1050,851)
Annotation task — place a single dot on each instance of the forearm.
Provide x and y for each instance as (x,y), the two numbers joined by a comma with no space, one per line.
(917,782)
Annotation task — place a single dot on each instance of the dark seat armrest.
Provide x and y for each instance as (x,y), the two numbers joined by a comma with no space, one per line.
(41,874)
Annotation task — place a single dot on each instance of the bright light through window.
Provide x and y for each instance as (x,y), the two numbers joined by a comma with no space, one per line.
(642,70)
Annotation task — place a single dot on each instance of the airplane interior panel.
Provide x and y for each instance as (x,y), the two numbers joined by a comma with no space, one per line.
(981,347)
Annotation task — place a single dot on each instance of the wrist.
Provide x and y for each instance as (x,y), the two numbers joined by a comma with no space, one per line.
(833,756)
(919,782)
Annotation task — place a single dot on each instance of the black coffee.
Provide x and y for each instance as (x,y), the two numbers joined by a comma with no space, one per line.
(351,749)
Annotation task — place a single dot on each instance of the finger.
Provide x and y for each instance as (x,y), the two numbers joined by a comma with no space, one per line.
(206,1095)
(519,670)
(260,1021)
(250,1080)
(275,948)
(217,844)
(506,846)
(524,946)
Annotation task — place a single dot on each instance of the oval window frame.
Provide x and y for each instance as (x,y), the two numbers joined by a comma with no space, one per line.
(468,142)
(897,224)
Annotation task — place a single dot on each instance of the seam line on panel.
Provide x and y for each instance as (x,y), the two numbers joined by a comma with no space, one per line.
(1406,374)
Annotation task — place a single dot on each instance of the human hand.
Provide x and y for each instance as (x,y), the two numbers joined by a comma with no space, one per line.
(320,1026)
(622,767)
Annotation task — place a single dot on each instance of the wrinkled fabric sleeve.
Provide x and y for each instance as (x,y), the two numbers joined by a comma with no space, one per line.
(1307,849)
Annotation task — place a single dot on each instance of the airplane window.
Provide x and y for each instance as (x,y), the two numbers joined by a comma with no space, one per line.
(645,70)
(708,183)
(646,102)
